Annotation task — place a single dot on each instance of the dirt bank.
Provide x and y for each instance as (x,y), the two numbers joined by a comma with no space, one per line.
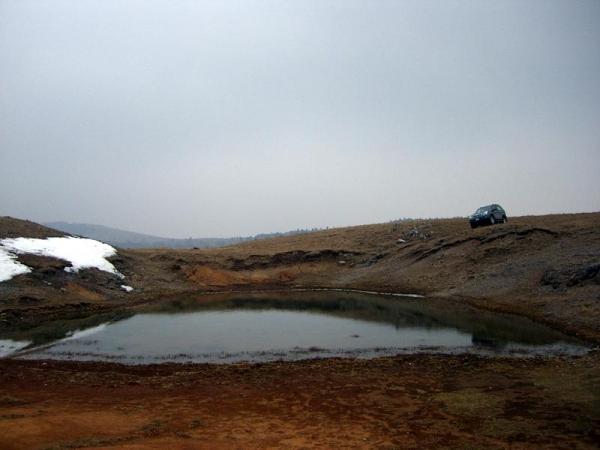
(544,267)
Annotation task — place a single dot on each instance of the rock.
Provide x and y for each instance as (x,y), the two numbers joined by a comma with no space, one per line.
(590,272)
(571,276)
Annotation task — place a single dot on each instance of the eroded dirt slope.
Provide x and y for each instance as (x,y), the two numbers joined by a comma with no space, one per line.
(545,267)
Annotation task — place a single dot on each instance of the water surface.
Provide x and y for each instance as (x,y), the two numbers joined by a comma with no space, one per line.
(290,326)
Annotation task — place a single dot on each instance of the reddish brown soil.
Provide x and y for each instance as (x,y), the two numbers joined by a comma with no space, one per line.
(403,402)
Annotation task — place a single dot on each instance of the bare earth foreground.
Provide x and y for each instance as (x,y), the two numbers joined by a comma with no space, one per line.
(403,402)
(546,268)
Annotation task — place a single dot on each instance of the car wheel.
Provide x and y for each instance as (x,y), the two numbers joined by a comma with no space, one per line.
(473,226)
(492,220)
(504,219)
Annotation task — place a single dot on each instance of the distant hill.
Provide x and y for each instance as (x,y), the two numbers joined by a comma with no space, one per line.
(11,227)
(131,239)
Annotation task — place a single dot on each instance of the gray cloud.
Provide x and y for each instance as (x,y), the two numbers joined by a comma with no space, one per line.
(226,118)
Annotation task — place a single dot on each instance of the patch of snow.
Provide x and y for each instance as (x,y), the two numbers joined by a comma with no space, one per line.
(126,288)
(10,267)
(8,347)
(81,253)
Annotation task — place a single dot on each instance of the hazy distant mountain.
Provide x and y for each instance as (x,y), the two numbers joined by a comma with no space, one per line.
(131,239)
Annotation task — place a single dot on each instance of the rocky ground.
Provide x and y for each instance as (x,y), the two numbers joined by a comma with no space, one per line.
(543,267)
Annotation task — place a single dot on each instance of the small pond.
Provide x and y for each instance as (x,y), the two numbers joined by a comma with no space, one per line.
(287,326)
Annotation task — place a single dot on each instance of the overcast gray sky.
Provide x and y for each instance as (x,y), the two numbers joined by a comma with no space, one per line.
(219,118)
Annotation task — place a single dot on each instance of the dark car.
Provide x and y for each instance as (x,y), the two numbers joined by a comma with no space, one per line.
(488,215)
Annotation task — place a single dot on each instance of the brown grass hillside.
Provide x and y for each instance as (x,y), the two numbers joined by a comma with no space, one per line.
(544,267)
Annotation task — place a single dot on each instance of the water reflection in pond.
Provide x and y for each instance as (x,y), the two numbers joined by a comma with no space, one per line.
(293,325)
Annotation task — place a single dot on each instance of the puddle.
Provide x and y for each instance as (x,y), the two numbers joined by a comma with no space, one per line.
(290,326)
